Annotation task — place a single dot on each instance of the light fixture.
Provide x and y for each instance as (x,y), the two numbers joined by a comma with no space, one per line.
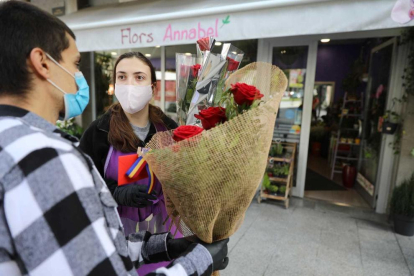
(158,46)
(147,55)
(325,40)
(283,52)
(188,54)
(234,53)
(217,43)
(114,53)
(110,89)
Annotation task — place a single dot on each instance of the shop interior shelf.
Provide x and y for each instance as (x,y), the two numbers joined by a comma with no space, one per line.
(278,179)
(286,159)
(274,196)
(290,149)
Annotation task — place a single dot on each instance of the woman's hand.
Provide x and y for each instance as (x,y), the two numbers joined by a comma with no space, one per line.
(133,196)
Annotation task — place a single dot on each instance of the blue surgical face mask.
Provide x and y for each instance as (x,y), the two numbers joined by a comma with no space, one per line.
(75,104)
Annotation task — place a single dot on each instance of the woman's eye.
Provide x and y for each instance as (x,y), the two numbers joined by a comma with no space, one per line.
(140,78)
(78,65)
(121,77)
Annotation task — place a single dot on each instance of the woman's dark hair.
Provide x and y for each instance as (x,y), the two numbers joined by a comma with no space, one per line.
(24,27)
(121,135)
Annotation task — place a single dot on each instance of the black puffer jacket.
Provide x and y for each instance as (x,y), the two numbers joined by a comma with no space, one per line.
(94,143)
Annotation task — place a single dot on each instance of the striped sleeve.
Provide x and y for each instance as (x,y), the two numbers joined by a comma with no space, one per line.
(197,261)
(146,248)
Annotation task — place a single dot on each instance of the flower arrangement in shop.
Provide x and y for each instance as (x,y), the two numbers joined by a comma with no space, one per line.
(210,166)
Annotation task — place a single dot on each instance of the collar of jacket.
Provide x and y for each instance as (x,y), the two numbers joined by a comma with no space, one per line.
(103,122)
(33,120)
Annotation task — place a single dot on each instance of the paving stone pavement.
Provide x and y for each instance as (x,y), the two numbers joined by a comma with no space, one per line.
(316,238)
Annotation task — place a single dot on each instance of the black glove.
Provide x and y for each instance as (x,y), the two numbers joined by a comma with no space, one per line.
(133,196)
(176,247)
(218,251)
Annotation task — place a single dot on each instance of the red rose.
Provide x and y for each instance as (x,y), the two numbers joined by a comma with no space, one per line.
(185,132)
(211,116)
(233,65)
(196,68)
(245,94)
(204,43)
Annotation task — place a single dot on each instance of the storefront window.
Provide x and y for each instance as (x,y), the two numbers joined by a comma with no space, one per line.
(292,60)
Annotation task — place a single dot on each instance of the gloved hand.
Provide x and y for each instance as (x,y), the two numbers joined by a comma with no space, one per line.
(218,251)
(133,196)
(176,247)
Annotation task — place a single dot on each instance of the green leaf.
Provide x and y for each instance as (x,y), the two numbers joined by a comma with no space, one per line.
(226,20)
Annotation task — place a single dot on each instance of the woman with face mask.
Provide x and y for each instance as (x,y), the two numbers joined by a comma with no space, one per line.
(127,125)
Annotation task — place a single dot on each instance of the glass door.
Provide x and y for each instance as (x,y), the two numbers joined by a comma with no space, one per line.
(376,99)
(297,59)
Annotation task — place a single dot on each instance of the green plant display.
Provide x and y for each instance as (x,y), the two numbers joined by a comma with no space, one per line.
(272,151)
(282,189)
(266,181)
(407,37)
(273,188)
(103,70)
(279,149)
(268,185)
(402,201)
(281,170)
(70,127)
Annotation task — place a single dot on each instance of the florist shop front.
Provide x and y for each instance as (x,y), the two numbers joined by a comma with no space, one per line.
(344,67)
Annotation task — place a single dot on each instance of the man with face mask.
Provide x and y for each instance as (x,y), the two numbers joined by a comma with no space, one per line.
(57,216)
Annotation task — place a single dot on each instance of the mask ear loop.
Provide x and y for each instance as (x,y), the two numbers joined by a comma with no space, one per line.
(57,63)
(57,87)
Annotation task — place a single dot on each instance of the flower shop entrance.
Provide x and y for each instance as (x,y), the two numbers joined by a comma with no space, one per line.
(310,98)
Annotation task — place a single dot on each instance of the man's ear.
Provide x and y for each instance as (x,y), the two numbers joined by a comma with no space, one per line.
(39,63)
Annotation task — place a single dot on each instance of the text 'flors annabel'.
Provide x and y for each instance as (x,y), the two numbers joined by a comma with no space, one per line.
(127,36)
(190,34)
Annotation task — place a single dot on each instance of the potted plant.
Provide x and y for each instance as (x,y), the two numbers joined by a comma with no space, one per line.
(391,121)
(285,170)
(272,188)
(281,171)
(269,171)
(277,170)
(349,173)
(402,207)
(279,149)
(282,190)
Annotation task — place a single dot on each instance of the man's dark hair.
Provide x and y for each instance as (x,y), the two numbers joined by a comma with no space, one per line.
(23,27)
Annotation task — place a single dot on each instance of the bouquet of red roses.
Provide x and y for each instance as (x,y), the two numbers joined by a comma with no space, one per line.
(209,174)
(210,170)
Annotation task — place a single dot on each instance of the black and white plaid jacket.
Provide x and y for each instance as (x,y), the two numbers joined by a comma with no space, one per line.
(57,216)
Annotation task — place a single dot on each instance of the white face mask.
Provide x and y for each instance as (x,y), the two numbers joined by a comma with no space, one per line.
(133,98)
